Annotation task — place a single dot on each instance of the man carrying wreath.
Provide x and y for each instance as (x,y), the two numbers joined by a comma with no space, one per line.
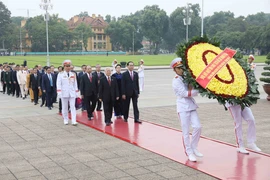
(186,109)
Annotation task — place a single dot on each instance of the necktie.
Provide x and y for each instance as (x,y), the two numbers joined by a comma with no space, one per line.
(68,74)
(131,75)
(98,74)
(90,78)
(51,82)
(109,80)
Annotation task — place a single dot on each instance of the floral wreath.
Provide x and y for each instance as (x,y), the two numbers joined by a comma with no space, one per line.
(234,83)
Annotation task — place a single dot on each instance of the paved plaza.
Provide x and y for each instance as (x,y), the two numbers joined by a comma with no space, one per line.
(34,143)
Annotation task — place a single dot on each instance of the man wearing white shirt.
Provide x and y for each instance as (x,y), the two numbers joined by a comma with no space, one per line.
(21,77)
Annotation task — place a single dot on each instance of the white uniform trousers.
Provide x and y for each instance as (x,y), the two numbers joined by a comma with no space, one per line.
(71,101)
(141,83)
(190,118)
(238,114)
(22,88)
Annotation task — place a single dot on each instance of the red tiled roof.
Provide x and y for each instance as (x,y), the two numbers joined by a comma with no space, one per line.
(93,22)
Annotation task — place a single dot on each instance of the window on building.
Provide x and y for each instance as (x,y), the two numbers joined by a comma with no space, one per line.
(95,45)
(99,45)
(99,37)
(94,37)
(104,37)
(104,45)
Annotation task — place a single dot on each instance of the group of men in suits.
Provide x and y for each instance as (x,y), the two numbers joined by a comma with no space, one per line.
(13,79)
(38,82)
(113,90)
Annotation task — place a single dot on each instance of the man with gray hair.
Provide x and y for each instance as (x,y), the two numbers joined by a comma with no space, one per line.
(108,94)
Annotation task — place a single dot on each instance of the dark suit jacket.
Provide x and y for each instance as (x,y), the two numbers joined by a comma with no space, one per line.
(130,86)
(34,81)
(14,77)
(7,77)
(108,92)
(2,76)
(100,76)
(88,88)
(46,83)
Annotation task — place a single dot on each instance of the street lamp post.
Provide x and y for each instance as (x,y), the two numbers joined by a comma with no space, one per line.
(133,43)
(202,19)
(187,20)
(46,5)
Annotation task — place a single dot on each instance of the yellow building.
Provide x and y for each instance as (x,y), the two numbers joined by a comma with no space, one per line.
(100,41)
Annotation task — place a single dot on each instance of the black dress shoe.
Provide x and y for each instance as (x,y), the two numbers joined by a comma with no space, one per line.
(35,103)
(125,120)
(107,124)
(111,122)
(41,105)
(49,108)
(138,121)
(89,118)
(99,109)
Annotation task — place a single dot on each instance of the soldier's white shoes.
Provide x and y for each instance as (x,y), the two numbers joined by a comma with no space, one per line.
(197,153)
(75,124)
(192,158)
(66,123)
(242,150)
(254,147)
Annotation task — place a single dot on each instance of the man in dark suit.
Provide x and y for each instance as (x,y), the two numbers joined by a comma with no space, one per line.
(2,78)
(33,83)
(99,75)
(79,78)
(48,86)
(8,79)
(130,90)
(16,87)
(54,99)
(41,73)
(88,88)
(108,94)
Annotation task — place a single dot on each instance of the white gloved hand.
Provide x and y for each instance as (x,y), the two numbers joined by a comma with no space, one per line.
(77,94)
(59,95)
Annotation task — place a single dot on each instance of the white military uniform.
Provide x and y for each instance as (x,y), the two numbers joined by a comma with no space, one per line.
(67,90)
(186,108)
(21,77)
(113,67)
(141,77)
(238,114)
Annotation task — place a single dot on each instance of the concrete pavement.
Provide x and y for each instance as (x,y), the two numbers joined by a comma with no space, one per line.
(34,143)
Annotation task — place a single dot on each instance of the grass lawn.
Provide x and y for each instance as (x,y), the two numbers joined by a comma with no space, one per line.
(150,60)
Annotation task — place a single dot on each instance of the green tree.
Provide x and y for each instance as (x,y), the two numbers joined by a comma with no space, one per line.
(83,32)
(4,20)
(17,20)
(154,24)
(58,33)
(121,34)
(108,18)
(83,14)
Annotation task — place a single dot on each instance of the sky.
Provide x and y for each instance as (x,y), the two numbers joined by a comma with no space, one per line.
(68,8)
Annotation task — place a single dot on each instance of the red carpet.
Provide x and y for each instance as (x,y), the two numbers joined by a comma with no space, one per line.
(220,159)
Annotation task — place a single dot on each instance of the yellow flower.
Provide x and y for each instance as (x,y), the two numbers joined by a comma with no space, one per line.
(225,83)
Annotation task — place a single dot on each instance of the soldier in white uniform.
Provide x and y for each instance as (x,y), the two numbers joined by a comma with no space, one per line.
(186,109)
(141,75)
(250,62)
(238,114)
(67,90)
(114,63)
